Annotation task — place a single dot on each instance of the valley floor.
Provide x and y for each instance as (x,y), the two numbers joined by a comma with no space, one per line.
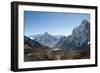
(44,54)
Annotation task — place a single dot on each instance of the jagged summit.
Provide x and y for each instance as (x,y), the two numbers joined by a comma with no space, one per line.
(46,33)
(79,38)
(85,21)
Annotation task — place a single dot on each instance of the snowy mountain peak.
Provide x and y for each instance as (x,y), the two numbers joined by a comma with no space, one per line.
(85,22)
(80,36)
(84,26)
(46,39)
(46,33)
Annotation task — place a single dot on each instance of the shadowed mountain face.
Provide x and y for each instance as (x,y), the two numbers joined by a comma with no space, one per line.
(78,39)
(31,42)
(34,51)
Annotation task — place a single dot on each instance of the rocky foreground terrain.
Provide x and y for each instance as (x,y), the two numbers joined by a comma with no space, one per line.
(37,52)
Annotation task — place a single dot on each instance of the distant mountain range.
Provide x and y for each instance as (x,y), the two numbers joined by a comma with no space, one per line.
(46,39)
(78,39)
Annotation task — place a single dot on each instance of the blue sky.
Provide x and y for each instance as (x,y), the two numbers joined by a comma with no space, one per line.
(55,23)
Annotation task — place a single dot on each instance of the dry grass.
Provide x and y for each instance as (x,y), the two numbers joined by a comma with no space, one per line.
(43,54)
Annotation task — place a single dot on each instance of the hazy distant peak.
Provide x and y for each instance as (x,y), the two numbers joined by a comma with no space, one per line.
(46,39)
(46,33)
